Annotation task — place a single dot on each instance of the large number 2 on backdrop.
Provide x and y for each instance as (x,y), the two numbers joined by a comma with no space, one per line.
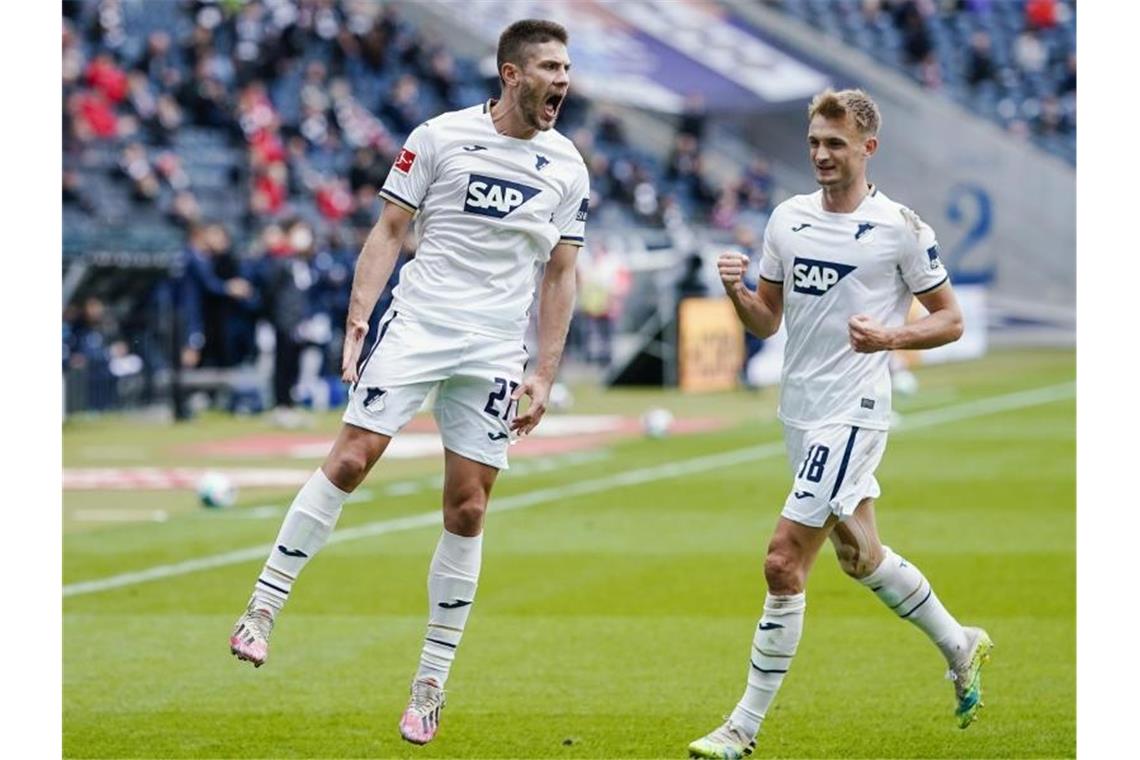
(969,206)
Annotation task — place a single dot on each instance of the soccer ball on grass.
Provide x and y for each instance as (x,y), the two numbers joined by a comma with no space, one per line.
(216,491)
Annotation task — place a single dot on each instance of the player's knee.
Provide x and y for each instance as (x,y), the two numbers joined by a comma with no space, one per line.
(464,511)
(783,572)
(347,468)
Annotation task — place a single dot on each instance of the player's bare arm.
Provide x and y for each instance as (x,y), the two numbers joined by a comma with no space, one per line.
(556,304)
(373,268)
(759,310)
(942,325)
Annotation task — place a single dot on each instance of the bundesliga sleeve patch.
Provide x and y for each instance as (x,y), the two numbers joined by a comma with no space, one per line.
(583,210)
(932,254)
(404,161)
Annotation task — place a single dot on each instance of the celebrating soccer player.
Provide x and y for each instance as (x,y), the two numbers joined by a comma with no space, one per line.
(843,264)
(495,193)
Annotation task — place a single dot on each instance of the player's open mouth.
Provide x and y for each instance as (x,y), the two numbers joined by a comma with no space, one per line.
(551,106)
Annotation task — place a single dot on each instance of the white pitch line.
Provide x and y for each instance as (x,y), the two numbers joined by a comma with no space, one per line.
(954,413)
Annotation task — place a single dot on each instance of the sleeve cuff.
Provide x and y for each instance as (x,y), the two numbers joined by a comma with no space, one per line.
(940,283)
(388,195)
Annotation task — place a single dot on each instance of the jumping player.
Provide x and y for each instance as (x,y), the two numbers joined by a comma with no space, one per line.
(495,193)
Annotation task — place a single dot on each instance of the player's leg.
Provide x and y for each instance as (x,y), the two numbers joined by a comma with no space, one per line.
(452,580)
(389,393)
(903,588)
(818,462)
(791,553)
(307,526)
(473,411)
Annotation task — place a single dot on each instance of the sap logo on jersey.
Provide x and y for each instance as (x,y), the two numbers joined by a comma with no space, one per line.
(815,278)
(490,196)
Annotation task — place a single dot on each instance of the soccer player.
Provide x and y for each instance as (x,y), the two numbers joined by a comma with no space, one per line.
(842,263)
(495,193)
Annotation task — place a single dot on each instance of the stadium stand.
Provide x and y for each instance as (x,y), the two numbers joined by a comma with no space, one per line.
(265,115)
(1013,61)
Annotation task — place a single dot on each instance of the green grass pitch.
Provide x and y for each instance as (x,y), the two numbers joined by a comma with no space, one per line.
(614,617)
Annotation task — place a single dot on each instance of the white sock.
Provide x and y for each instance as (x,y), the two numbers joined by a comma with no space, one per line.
(902,587)
(452,580)
(306,528)
(773,645)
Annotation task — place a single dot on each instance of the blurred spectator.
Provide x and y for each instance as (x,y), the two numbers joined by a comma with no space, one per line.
(610,131)
(980,61)
(95,354)
(726,209)
(1068,84)
(92,117)
(210,290)
(169,167)
(203,97)
(403,108)
(107,78)
(230,319)
(916,38)
(603,281)
(1051,119)
(334,200)
(1030,52)
(74,194)
(368,172)
(157,61)
(135,166)
(73,61)
(440,76)
(184,210)
(286,275)
(270,189)
(693,117)
(1041,14)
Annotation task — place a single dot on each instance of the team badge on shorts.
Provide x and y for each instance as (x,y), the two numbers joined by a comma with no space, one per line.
(374,400)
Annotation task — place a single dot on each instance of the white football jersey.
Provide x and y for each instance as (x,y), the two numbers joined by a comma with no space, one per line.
(832,267)
(489,210)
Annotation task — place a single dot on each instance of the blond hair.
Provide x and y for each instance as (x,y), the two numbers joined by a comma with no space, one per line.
(837,105)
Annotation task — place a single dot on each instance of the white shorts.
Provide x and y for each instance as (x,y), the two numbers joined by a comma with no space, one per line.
(475,374)
(833,469)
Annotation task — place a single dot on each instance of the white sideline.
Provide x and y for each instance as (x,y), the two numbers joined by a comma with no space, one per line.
(917,420)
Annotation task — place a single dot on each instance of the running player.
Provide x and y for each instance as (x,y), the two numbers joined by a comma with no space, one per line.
(843,264)
(495,193)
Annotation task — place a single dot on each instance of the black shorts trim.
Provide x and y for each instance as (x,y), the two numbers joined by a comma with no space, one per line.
(362,363)
(843,464)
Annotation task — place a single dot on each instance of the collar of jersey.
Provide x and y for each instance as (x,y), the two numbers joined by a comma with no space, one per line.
(490,121)
(847,214)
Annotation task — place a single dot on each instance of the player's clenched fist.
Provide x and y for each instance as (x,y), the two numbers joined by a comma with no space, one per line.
(868,336)
(731,266)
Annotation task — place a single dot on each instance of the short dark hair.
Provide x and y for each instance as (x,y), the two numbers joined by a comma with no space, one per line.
(515,38)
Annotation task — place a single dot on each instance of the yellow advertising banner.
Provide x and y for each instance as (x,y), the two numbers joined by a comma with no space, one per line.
(710,345)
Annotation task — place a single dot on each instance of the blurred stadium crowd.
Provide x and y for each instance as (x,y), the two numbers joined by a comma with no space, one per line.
(252,137)
(1013,61)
